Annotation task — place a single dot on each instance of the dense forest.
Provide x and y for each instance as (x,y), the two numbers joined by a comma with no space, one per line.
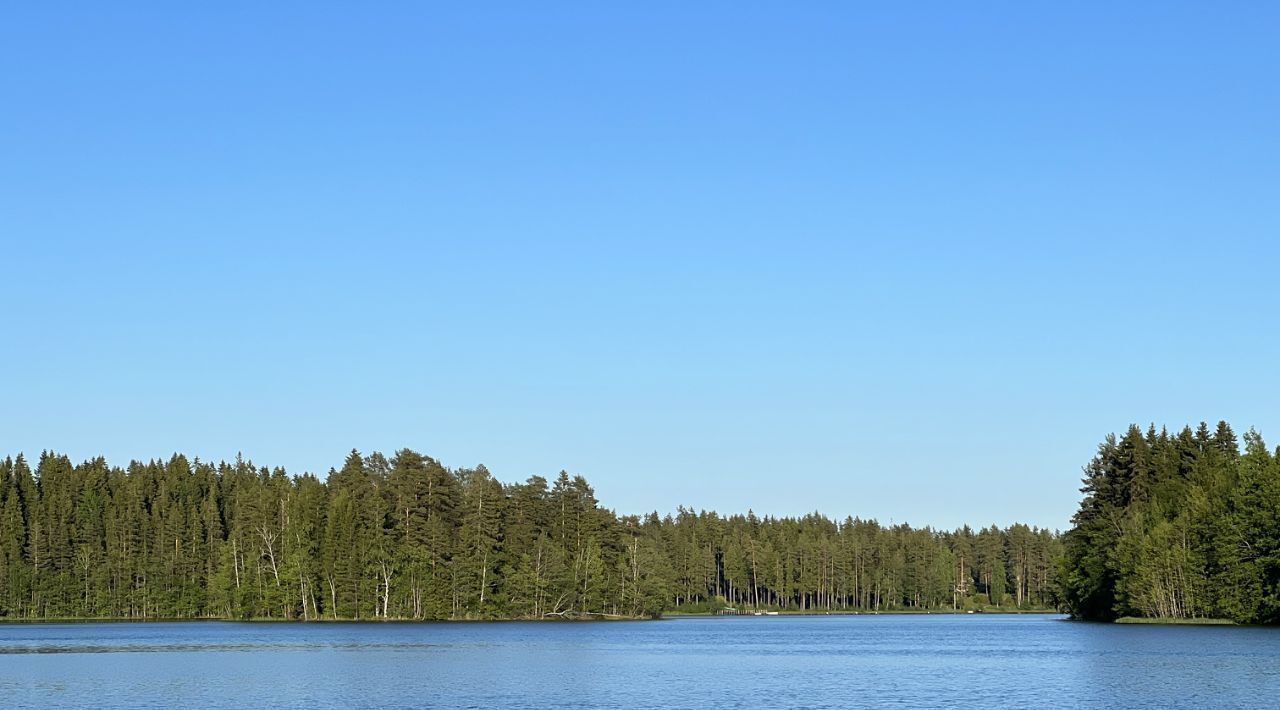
(1178,526)
(407,538)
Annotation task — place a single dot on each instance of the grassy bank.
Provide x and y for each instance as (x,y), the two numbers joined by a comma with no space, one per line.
(1173,622)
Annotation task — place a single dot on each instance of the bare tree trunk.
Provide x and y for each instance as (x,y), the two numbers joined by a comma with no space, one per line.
(302,591)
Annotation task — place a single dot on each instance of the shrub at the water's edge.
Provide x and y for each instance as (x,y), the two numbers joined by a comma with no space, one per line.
(406,538)
(1180,526)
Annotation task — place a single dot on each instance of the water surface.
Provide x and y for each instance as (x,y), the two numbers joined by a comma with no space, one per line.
(730,662)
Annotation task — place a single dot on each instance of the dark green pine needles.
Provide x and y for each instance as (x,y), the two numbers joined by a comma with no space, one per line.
(406,538)
(1177,526)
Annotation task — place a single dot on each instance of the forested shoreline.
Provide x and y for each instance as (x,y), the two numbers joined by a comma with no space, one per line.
(407,538)
(1177,526)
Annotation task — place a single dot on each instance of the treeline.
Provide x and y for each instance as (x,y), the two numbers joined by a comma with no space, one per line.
(1178,525)
(815,563)
(407,538)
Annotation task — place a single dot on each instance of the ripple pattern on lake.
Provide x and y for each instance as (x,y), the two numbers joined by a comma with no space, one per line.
(733,662)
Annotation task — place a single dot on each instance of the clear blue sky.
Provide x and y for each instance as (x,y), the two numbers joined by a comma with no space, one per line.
(901,262)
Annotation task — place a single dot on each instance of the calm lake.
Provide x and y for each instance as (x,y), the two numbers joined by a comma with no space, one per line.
(728,662)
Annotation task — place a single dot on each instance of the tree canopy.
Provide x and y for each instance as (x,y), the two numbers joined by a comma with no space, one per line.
(405,537)
(1177,525)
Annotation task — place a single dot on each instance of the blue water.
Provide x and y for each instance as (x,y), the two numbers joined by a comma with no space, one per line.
(705,663)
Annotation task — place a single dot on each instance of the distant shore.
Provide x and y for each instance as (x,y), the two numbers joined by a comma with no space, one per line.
(895,612)
(555,619)
(600,617)
(326,620)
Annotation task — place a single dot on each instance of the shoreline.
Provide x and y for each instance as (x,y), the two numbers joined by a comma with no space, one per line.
(555,620)
(302,622)
(1169,621)
(896,612)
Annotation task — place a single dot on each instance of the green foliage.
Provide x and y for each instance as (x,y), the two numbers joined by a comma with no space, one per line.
(1179,526)
(407,538)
